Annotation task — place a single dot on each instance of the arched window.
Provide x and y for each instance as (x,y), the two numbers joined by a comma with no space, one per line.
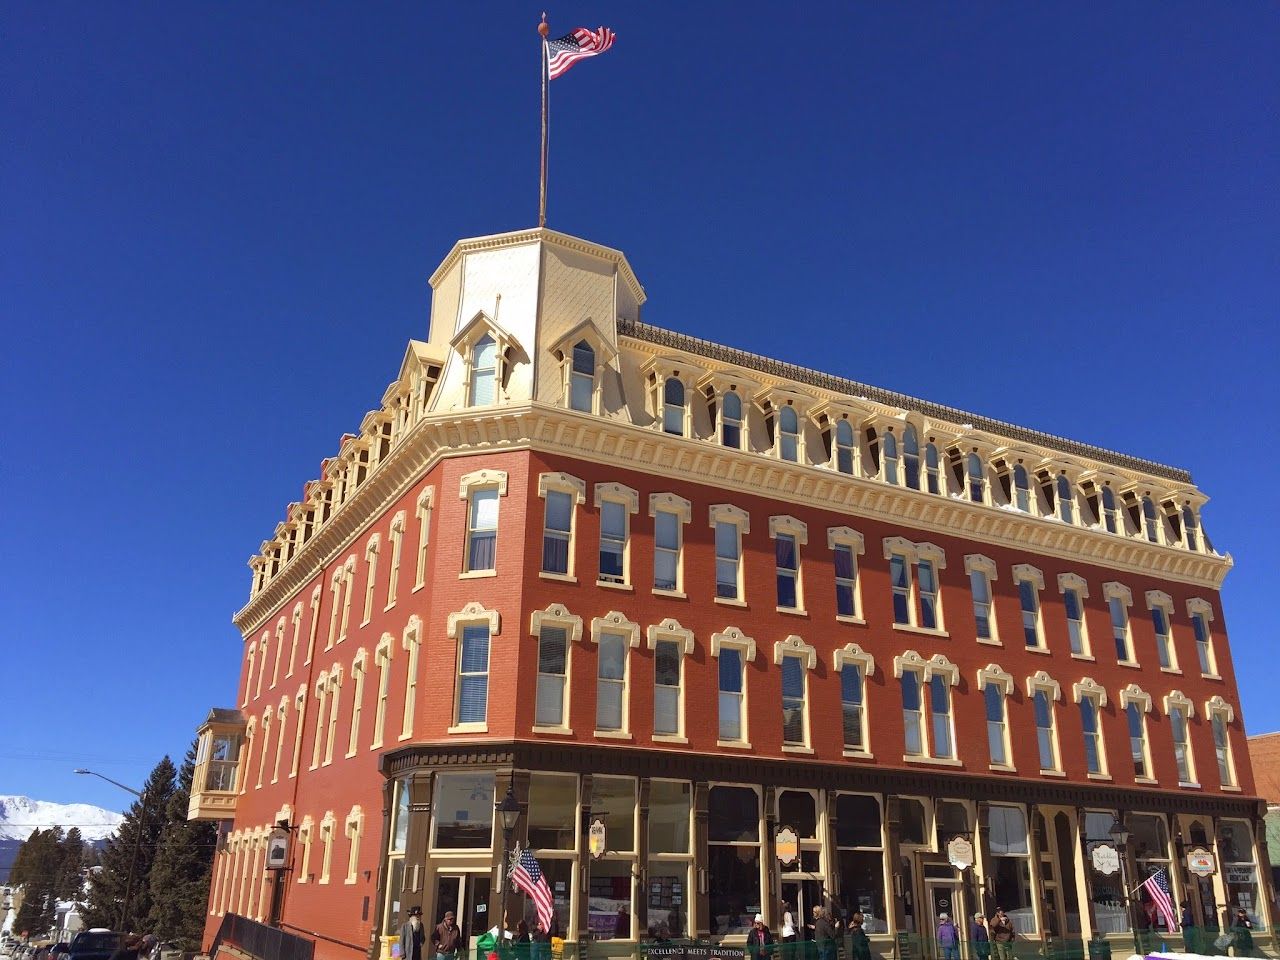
(1021,488)
(911,457)
(484,371)
(932,475)
(673,406)
(582,376)
(1150,520)
(977,478)
(731,420)
(844,446)
(1191,527)
(890,458)
(788,434)
(1066,501)
(1109,509)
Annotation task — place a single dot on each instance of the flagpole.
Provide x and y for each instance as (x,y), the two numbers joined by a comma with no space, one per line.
(543,30)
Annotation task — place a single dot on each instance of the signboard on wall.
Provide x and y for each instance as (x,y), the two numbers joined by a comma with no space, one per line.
(596,839)
(960,853)
(1106,860)
(787,844)
(1201,862)
(278,849)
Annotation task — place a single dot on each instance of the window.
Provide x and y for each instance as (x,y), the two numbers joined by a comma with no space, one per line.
(911,457)
(1180,710)
(473,627)
(673,406)
(733,651)
(1137,704)
(796,658)
(335,703)
(851,668)
(611,682)
(930,617)
(553,657)
(900,578)
(860,858)
(371,569)
(616,504)
(913,713)
(1073,588)
(348,581)
(669,642)
(788,434)
(1150,520)
(1043,691)
(1161,606)
(561,493)
(976,471)
(425,502)
(267,716)
(996,685)
(789,535)
(932,471)
(1240,868)
(353,827)
(397,545)
(359,667)
(611,878)
(915,600)
(1221,714)
(890,446)
(1109,513)
(669,512)
(733,857)
(731,420)
(484,371)
(845,446)
(322,698)
(1201,613)
(299,709)
(482,489)
(670,855)
(463,811)
(1030,582)
(1190,528)
(1119,599)
(926,704)
(1092,698)
(275,669)
(982,570)
(729,524)
(282,713)
(1149,838)
(582,377)
(846,545)
(940,714)
(382,660)
(1011,864)
(1021,488)
(1066,500)
(315,623)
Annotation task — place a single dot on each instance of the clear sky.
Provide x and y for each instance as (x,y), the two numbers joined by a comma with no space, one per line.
(217,221)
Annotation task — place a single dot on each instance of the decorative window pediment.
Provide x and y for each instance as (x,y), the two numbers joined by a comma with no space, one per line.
(853,653)
(983,564)
(593,335)
(473,612)
(1178,699)
(789,525)
(479,325)
(1040,680)
(618,492)
(931,551)
(555,614)
(1118,590)
(900,546)
(1158,598)
(1073,581)
(993,674)
(847,536)
(910,660)
(727,513)
(1198,605)
(386,644)
(670,629)
(733,637)
(615,622)
(795,646)
(1137,696)
(1216,705)
(940,666)
(413,629)
(669,501)
(1088,687)
(563,482)
(1025,571)
(482,478)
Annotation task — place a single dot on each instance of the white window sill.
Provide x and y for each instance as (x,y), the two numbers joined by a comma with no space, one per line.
(845,618)
(346,756)
(558,730)
(933,761)
(730,602)
(1131,664)
(1210,676)
(675,594)
(405,736)
(859,755)
(417,587)
(1230,789)
(1171,670)
(610,585)
(796,748)
(477,574)
(1148,781)
(350,881)
(1083,656)
(1189,786)
(669,738)
(364,622)
(612,735)
(734,744)
(1002,767)
(923,631)
(1043,651)
(389,606)
(793,611)
(1053,773)
(990,642)
(1098,776)
(469,728)
(558,577)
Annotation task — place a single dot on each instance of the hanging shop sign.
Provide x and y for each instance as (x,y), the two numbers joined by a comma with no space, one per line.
(960,853)
(596,839)
(1201,862)
(1106,860)
(278,849)
(787,844)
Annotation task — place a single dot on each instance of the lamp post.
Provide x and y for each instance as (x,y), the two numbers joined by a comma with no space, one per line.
(508,811)
(137,839)
(1120,836)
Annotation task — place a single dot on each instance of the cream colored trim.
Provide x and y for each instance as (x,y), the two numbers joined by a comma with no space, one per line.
(795,646)
(853,653)
(1176,698)
(787,524)
(1199,605)
(1073,581)
(733,637)
(1118,590)
(1158,598)
(908,660)
(1025,571)
(615,622)
(670,629)
(727,513)
(565,483)
(671,502)
(473,612)
(931,551)
(983,564)
(619,493)
(1088,687)
(1136,695)
(939,665)
(555,614)
(482,478)
(845,535)
(1040,680)
(993,674)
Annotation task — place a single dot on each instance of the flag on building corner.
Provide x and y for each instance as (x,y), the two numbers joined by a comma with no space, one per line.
(527,877)
(1157,887)
(578,45)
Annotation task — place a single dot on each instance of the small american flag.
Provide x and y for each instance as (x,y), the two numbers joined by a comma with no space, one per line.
(527,877)
(582,43)
(1157,887)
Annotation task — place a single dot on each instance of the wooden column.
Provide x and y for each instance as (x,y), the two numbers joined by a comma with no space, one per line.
(640,903)
(893,831)
(583,865)
(771,895)
(380,891)
(834,891)
(701,859)
(417,843)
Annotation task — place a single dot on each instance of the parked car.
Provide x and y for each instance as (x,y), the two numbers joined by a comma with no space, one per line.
(96,944)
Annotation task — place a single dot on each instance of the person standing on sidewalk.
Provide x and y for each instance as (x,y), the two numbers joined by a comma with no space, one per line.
(948,938)
(412,936)
(1002,935)
(979,937)
(447,938)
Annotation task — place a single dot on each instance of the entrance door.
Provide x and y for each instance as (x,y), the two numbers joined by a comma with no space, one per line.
(803,895)
(942,896)
(467,896)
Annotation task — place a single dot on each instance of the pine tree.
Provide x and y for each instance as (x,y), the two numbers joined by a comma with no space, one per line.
(36,869)
(71,866)
(130,854)
(182,870)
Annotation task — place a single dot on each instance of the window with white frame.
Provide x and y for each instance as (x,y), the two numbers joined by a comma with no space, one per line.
(996,685)
(730,524)
(846,444)
(731,419)
(297,637)
(1119,599)
(473,627)
(1136,704)
(1240,868)
(1030,582)
(371,575)
(1150,520)
(382,660)
(733,651)
(335,704)
(353,827)
(306,831)
(557,631)
(788,535)
(282,713)
(789,440)
(846,545)
(481,489)
(484,372)
(854,666)
(796,658)
(359,667)
(1066,499)
(1021,488)
(264,647)
(616,504)
(982,571)
(315,623)
(911,457)
(1190,528)
(411,641)
(1009,844)
(1180,710)
(926,704)
(582,377)
(1044,692)
(1221,714)
(1073,589)
(426,500)
(327,824)
(976,478)
(267,716)
(299,710)
(1110,513)
(673,406)
(275,668)
(913,577)
(396,537)
(670,643)
(669,514)
(561,493)
(1092,698)
(614,636)
(1201,613)
(889,457)
(1161,606)
(348,584)
(322,700)
(250,656)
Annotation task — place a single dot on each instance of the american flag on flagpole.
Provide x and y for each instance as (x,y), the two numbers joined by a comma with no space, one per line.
(569,49)
(1157,887)
(526,876)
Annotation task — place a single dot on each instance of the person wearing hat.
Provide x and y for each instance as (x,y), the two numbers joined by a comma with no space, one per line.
(447,938)
(759,939)
(412,936)
(948,938)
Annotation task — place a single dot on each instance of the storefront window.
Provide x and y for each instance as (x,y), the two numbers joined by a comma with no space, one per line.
(609,900)
(1239,868)
(395,884)
(913,822)
(559,874)
(1105,891)
(613,800)
(670,808)
(553,807)
(860,859)
(463,805)
(1010,854)
(733,823)
(400,817)
(953,821)
(796,809)
(1150,841)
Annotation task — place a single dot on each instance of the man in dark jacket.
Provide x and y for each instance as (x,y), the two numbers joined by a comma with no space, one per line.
(1002,935)
(447,938)
(824,935)
(979,937)
(412,936)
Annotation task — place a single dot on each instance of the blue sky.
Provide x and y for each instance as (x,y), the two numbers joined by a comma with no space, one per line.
(219,220)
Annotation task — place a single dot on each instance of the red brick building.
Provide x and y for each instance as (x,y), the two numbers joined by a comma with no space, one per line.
(774,635)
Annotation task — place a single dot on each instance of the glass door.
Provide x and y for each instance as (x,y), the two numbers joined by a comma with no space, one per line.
(483,913)
(451,889)
(942,897)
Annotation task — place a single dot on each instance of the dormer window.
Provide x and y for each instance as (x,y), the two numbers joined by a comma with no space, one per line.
(889,445)
(788,434)
(582,377)
(932,469)
(1021,488)
(911,457)
(673,407)
(484,371)
(1109,510)
(1066,500)
(731,420)
(1191,528)
(977,485)
(844,446)
(1150,520)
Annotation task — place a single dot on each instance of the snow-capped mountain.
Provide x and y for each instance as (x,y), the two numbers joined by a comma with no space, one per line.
(20,815)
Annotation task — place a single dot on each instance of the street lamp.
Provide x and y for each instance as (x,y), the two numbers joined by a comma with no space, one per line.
(1120,835)
(508,811)
(137,839)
